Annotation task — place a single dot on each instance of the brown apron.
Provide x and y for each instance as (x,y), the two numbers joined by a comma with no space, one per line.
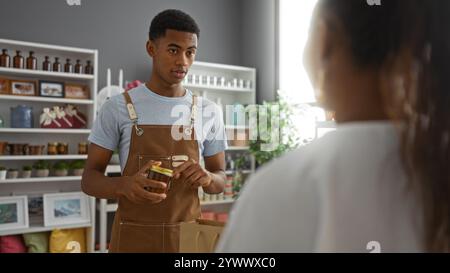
(156,227)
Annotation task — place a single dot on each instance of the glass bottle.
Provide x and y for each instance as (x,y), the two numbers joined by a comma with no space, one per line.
(89,69)
(5,59)
(18,60)
(46,64)
(56,65)
(68,67)
(78,68)
(31,61)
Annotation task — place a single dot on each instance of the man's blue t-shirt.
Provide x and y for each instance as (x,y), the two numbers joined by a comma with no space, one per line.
(112,128)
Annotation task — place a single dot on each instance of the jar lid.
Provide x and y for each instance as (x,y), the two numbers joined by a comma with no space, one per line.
(164,171)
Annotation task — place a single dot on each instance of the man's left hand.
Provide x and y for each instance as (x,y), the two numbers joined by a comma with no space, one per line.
(193,174)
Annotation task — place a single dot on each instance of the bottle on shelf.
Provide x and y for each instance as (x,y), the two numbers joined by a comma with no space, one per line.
(46,64)
(78,67)
(5,60)
(31,61)
(68,67)
(56,65)
(18,61)
(89,69)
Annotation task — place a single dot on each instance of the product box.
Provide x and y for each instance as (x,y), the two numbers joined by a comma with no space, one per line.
(200,236)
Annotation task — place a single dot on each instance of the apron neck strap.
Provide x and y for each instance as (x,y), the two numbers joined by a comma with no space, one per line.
(134,118)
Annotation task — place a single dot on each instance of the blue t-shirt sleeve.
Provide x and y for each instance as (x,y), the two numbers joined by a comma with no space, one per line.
(105,132)
(216,139)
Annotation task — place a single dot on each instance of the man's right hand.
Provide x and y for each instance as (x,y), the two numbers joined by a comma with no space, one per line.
(132,187)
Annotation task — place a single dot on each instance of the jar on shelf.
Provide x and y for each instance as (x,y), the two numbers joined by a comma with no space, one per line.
(31,61)
(56,65)
(46,66)
(22,117)
(89,69)
(63,148)
(83,148)
(2,122)
(18,61)
(5,60)
(52,148)
(78,67)
(68,67)
(160,174)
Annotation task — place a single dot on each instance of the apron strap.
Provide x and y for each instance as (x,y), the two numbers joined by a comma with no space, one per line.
(134,118)
(132,114)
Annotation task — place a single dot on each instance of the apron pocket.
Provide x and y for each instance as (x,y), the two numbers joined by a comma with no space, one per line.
(140,238)
(171,238)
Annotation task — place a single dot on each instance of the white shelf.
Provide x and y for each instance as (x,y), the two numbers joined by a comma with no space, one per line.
(33,229)
(42,157)
(16,43)
(217,88)
(45,131)
(234,68)
(218,202)
(237,148)
(39,73)
(45,99)
(42,179)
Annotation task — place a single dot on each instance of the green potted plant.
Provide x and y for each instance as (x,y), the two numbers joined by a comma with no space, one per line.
(42,168)
(271,142)
(77,167)
(26,171)
(12,173)
(2,173)
(61,168)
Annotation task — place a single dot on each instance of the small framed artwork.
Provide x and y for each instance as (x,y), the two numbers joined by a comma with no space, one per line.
(76,91)
(13,212)
(23,88)
(4,86)
(51,89)
(66,209)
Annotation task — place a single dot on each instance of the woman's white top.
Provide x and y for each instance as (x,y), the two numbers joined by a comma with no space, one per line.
(345,192)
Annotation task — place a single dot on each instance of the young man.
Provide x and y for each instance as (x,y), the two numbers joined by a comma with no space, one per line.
(145,124)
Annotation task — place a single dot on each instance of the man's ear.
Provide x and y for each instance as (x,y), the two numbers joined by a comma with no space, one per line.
(151,48)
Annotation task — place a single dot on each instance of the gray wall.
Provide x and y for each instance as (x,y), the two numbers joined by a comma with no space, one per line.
(239,32)
(118,29)
(259,44)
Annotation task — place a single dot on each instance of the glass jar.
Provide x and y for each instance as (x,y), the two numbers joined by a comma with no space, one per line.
(83,148)
(22,117)
(31,61)
(78,67)
(68,67)
(63,148)
(51,148)
(56,65)
(46,64)
(18,61)
(5,60)
(89,69)
(160,174)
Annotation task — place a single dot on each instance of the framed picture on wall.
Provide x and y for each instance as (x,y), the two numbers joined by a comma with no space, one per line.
(13,212)
(4,86)
(51,89)
(66,208)
(76,91)
(23,88)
